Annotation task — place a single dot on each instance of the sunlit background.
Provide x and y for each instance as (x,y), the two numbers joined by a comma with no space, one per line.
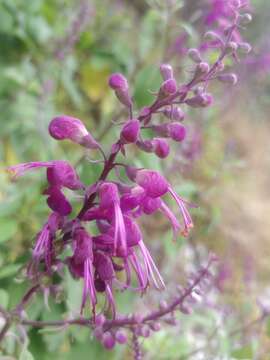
(55,57)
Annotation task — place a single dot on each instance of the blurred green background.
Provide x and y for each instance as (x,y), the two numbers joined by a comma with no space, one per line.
(55,57)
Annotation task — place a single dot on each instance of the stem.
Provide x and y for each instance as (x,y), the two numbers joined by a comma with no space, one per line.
(5,329)
(18,309)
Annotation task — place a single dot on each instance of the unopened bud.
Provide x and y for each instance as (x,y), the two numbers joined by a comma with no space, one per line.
(236,3)
(212,36)
(144,331)
(138,318)
(201,100)
(146,145)
(162,129)
(117,81)
(163,305)
(245,19)
(231,47)
(203,68)
(155,326)
(168,87)
(130,131)
(228,78)
(120,337)
(100,320)
(161,147)
(194,55)
(220,66)
(108,341)
(185,309)
(131,172)
(66,127)
(177,131)
(174,113)
(166,71)
(98,333)
(120,85)
(244,47)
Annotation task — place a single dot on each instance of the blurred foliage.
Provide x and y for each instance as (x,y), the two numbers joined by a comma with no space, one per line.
(42,75)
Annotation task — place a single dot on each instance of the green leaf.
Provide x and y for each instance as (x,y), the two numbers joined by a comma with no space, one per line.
(268,327)
(8,229)
(245,353)
(9,270)
(26,355)
(4,298)
(148,79)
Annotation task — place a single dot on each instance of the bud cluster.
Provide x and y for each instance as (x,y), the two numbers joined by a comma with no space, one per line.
(115,256)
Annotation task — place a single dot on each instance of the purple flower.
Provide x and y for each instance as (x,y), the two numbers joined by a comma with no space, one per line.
(66,127)
(57,201)
(43,247)
(81,265)
(155,185)
(110,202)
(59,174)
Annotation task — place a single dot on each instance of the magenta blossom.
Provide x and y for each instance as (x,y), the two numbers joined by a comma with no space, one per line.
(66,127)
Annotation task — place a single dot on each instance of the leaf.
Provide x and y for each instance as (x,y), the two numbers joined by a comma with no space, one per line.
(4,298)
(94,81)
(268,327)
(245,352)
(26,355)
(148,79)
(8,229)
(9,270)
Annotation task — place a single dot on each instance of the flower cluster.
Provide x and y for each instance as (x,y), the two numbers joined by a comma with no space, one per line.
(113,207)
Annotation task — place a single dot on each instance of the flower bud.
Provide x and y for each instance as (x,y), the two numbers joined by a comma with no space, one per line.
(245,19)
(177,131)
(231,47)
(201,100)
(98,332)
(168,87)
(130,131)
(66,127)
(163,305)
(138,318)
(220,66)
(228,78)
(108,341)
(185,309)
(194,55)
(146,145)
(131,172)
(236,3)
(120,85)
(201,69)
(120,337)
(155,326)
(144,331)
(162,129)
(118,82)
(174,113)
(145,111)
(166,71)
(244,47)
(152,182)
(100,320)
(212,36)
(161,147)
